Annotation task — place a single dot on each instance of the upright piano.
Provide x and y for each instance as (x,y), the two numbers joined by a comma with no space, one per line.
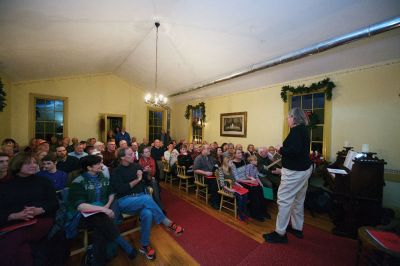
(357,195)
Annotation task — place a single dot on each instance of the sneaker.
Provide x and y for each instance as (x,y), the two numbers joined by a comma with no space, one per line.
(275,238)
(295,232)
(177,229)
(132,254)
(148,252)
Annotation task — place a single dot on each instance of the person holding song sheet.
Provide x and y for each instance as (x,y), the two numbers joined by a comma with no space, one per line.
(257,206)
(226,172)
(296,169)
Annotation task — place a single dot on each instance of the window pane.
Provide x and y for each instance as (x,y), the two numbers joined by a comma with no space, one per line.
(317,133)
(59,117)
(59,105)
(39,127)
(49,127)
(296,101)
(319,100)
(307,101)
(49,105)
(319,113)
(48,116)
(59,127)
(315,146)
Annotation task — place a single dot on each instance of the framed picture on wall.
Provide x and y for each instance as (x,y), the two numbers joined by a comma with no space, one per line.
(233,124)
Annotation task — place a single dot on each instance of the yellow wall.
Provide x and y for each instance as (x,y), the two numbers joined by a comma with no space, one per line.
(365,109)
(5,116)
(88,96)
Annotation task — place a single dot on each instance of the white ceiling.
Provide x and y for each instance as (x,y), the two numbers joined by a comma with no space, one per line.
(198,40)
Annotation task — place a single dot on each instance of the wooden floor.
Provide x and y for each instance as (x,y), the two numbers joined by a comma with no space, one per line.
(169,252)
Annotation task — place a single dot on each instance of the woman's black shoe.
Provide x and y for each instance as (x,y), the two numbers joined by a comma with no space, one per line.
(296,233)
(275,238)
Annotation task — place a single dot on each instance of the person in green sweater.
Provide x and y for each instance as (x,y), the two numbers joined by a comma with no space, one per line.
(90,199)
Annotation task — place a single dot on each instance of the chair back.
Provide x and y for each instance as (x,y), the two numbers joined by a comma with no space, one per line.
(165,166)
(199,178)
(181,170)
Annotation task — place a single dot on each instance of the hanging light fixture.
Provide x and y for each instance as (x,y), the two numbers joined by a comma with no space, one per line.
(157,99)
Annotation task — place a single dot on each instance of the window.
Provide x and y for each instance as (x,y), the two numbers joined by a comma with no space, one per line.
(155,124)
(197,125)
(49,117)
(318,110)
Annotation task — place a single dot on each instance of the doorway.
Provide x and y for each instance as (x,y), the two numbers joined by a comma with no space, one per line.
(110,122)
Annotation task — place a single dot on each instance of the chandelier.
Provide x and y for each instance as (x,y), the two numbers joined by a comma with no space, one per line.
(157,100)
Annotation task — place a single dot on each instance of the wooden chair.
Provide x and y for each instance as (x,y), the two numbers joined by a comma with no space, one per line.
(228,199)
(167,172)
(201,187)
(185,178)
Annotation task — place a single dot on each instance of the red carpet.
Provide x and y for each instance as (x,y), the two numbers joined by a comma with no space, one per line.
(211,242)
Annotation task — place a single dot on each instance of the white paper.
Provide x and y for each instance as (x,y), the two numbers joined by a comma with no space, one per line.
(336,171)
(348,162)
(87,214)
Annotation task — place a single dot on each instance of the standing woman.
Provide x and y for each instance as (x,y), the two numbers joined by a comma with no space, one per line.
(296,169)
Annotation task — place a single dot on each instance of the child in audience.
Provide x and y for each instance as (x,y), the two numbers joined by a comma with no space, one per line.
(58,178)
(226,172)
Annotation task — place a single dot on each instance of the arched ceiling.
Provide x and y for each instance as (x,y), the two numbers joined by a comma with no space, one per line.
(198,40)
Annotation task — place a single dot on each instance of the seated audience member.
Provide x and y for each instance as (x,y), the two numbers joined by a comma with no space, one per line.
(133,139)
(123,144)
(53,143)
(226,172)
(91,193)
(224,147)
(110,135)
(31,146)
(99,146)
(7,149)
(70,148)
(196,151)
(157,153)
(230,153)
(12,144)
(42,146)
(4,159)
(250,151)
(179,145)
(268,177)
(65,142)
(83,143)
(25,198)
(190,149)
(58,178)
(219,156)
(89,149)
(39,155)
(143,145)
(104,168)
(257,206)
(171,156)
(66,163)
(123,135)
(109,156)
(239,147)
(127,182)
(78,151)
(149,166)
(184,159)
(204,164)
(91,141)
(135,149)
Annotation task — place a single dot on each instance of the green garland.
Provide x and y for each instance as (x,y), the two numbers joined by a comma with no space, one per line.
(2,97)
(202,105)
(326,83)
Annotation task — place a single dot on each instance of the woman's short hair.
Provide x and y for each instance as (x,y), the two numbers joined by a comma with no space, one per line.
(18,160)
(251,158)
(299,117)
(89,160)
